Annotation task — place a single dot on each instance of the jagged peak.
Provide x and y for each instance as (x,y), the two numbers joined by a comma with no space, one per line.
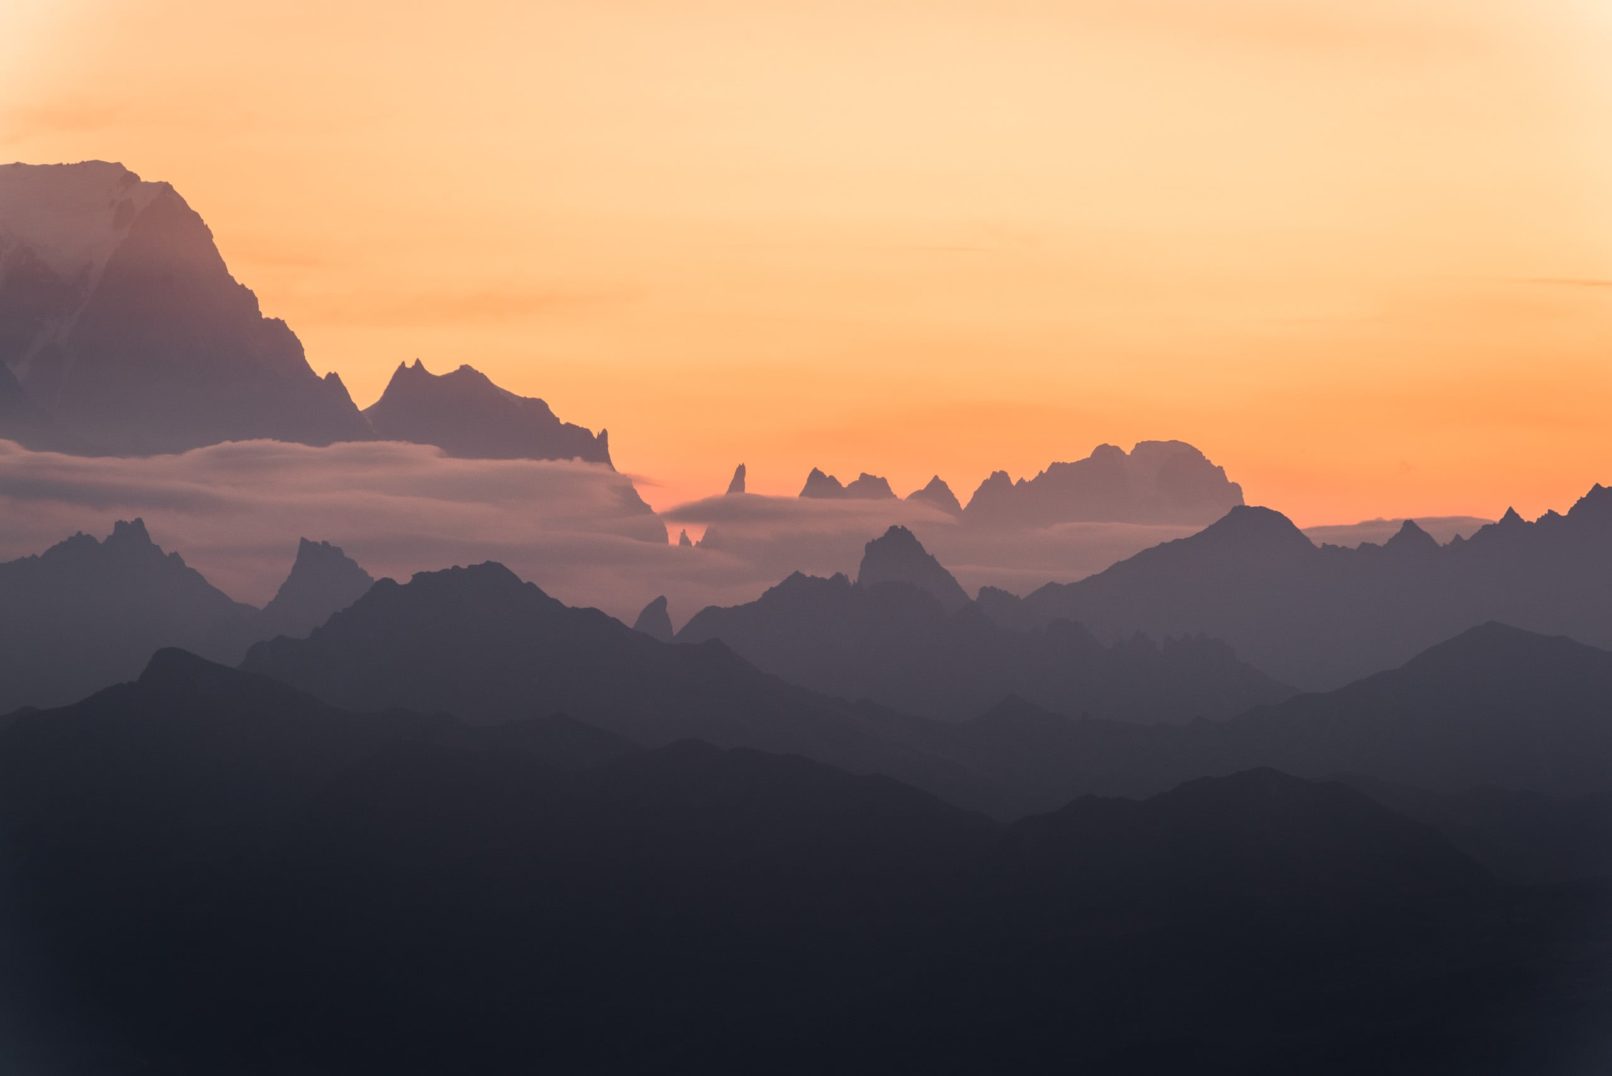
(655,620)
(1511,518)
(683,540)
(1411,536)
(821,484)
(870,487)
(939,494)
(130,532)
(736,485)
(897,556)
(1597,502)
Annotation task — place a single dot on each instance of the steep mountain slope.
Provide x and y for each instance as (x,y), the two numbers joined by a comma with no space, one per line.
(124,326)
(898,557)
(654,621)
(323,581)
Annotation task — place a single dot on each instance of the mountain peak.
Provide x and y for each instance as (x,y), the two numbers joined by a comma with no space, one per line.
(127,330)
(323,581)
(938,494)
(898,557)
(130,532)
(819,484)
(1256,525)
(870,487)
(465,414)
(655,621)
(737,484)
(1410,537)
(1596,504)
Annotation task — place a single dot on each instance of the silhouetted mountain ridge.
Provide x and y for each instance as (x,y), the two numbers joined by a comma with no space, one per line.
(1322,616)
(906,636)
(465,414)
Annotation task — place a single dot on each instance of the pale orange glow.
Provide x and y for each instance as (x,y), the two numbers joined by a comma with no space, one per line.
(1358,251)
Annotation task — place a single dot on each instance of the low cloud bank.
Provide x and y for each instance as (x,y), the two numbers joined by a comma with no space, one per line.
(235,511)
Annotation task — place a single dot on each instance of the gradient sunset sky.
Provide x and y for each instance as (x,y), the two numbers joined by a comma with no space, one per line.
(1358,251)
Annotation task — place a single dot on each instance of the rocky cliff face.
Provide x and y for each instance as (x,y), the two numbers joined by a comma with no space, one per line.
(122,332)
(121,323)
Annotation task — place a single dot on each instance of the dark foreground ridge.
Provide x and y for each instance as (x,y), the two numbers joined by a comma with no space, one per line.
(223,874)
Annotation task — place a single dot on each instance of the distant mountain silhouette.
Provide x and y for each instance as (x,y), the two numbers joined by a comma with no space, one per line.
(938,494)
(217,866)
(122,324)
(898,557)
(1494,707)
(481,644)
(1320,617)
(122,332)
(87,613)
(323,580)
(654,621)
(736,485)
(822,485)
(865,486)
(906,636)
(465,414)
(1157,482)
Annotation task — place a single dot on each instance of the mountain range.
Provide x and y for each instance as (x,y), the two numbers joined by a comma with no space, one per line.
(88,613)
(1156,482)
(122,332)
(905,635)
(1318,617)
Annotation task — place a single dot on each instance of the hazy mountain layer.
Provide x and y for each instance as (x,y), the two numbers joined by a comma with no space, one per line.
(906,636)
(1319,617)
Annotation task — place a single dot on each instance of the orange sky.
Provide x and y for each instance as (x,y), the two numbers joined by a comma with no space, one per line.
(1359,251)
